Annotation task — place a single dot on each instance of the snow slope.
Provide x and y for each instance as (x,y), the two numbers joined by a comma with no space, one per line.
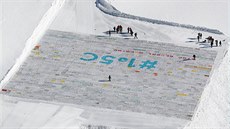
(108,9)
(37,33)
(214,108)
(99,23)
(18,21)
(207,13)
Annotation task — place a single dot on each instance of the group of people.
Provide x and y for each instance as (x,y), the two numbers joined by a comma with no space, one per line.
(130,31)
(119,29)
(209,39)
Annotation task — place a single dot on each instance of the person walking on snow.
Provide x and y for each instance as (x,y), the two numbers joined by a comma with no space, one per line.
(109,33)
(109,78)
(198,38)
(212,42)
(216,42)
(200,35)
(118,28)
(220,43)
(131,31)
(135,36)
(194,57)
(128,29)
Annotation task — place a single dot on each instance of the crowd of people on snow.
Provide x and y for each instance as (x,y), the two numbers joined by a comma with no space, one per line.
(210,40)
(119,29)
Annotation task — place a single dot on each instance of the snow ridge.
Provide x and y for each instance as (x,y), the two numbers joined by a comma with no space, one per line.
(110,10)
(213,110)
(39,31)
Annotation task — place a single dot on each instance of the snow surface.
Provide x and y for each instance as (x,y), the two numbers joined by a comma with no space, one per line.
(208,105)
(214,108)
(207,13)
(66,116)
(34,39)
(93,22)
(39,115)
(100,23)
(18,19)
(108,9)
(61,74)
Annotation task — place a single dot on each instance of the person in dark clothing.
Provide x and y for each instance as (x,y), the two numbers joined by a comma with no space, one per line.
(109,78)
(114,28)
(212,43)
(118,28)
(200,35)
(198,38)
(216,42)
(194,57)
(209,39)
(203,41)
(131,32)
(220,43)
(109,33)
(135,36)
(128,29)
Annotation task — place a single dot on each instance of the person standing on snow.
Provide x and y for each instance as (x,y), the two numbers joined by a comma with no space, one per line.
(212,42)
(216,42)
(109,33)
(220,43)
(128,29)
(109,78)
(135,36)
(118,28)
(198,38)
(194,57)
(121,29)
(131,31)
(200,35)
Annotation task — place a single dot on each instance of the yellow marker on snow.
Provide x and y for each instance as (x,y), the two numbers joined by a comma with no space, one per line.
(55,51)
(37,53)
(56,57)
(194,70)
(53,80)
(169,71)
(62,81)
(105,85)
(182,94)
